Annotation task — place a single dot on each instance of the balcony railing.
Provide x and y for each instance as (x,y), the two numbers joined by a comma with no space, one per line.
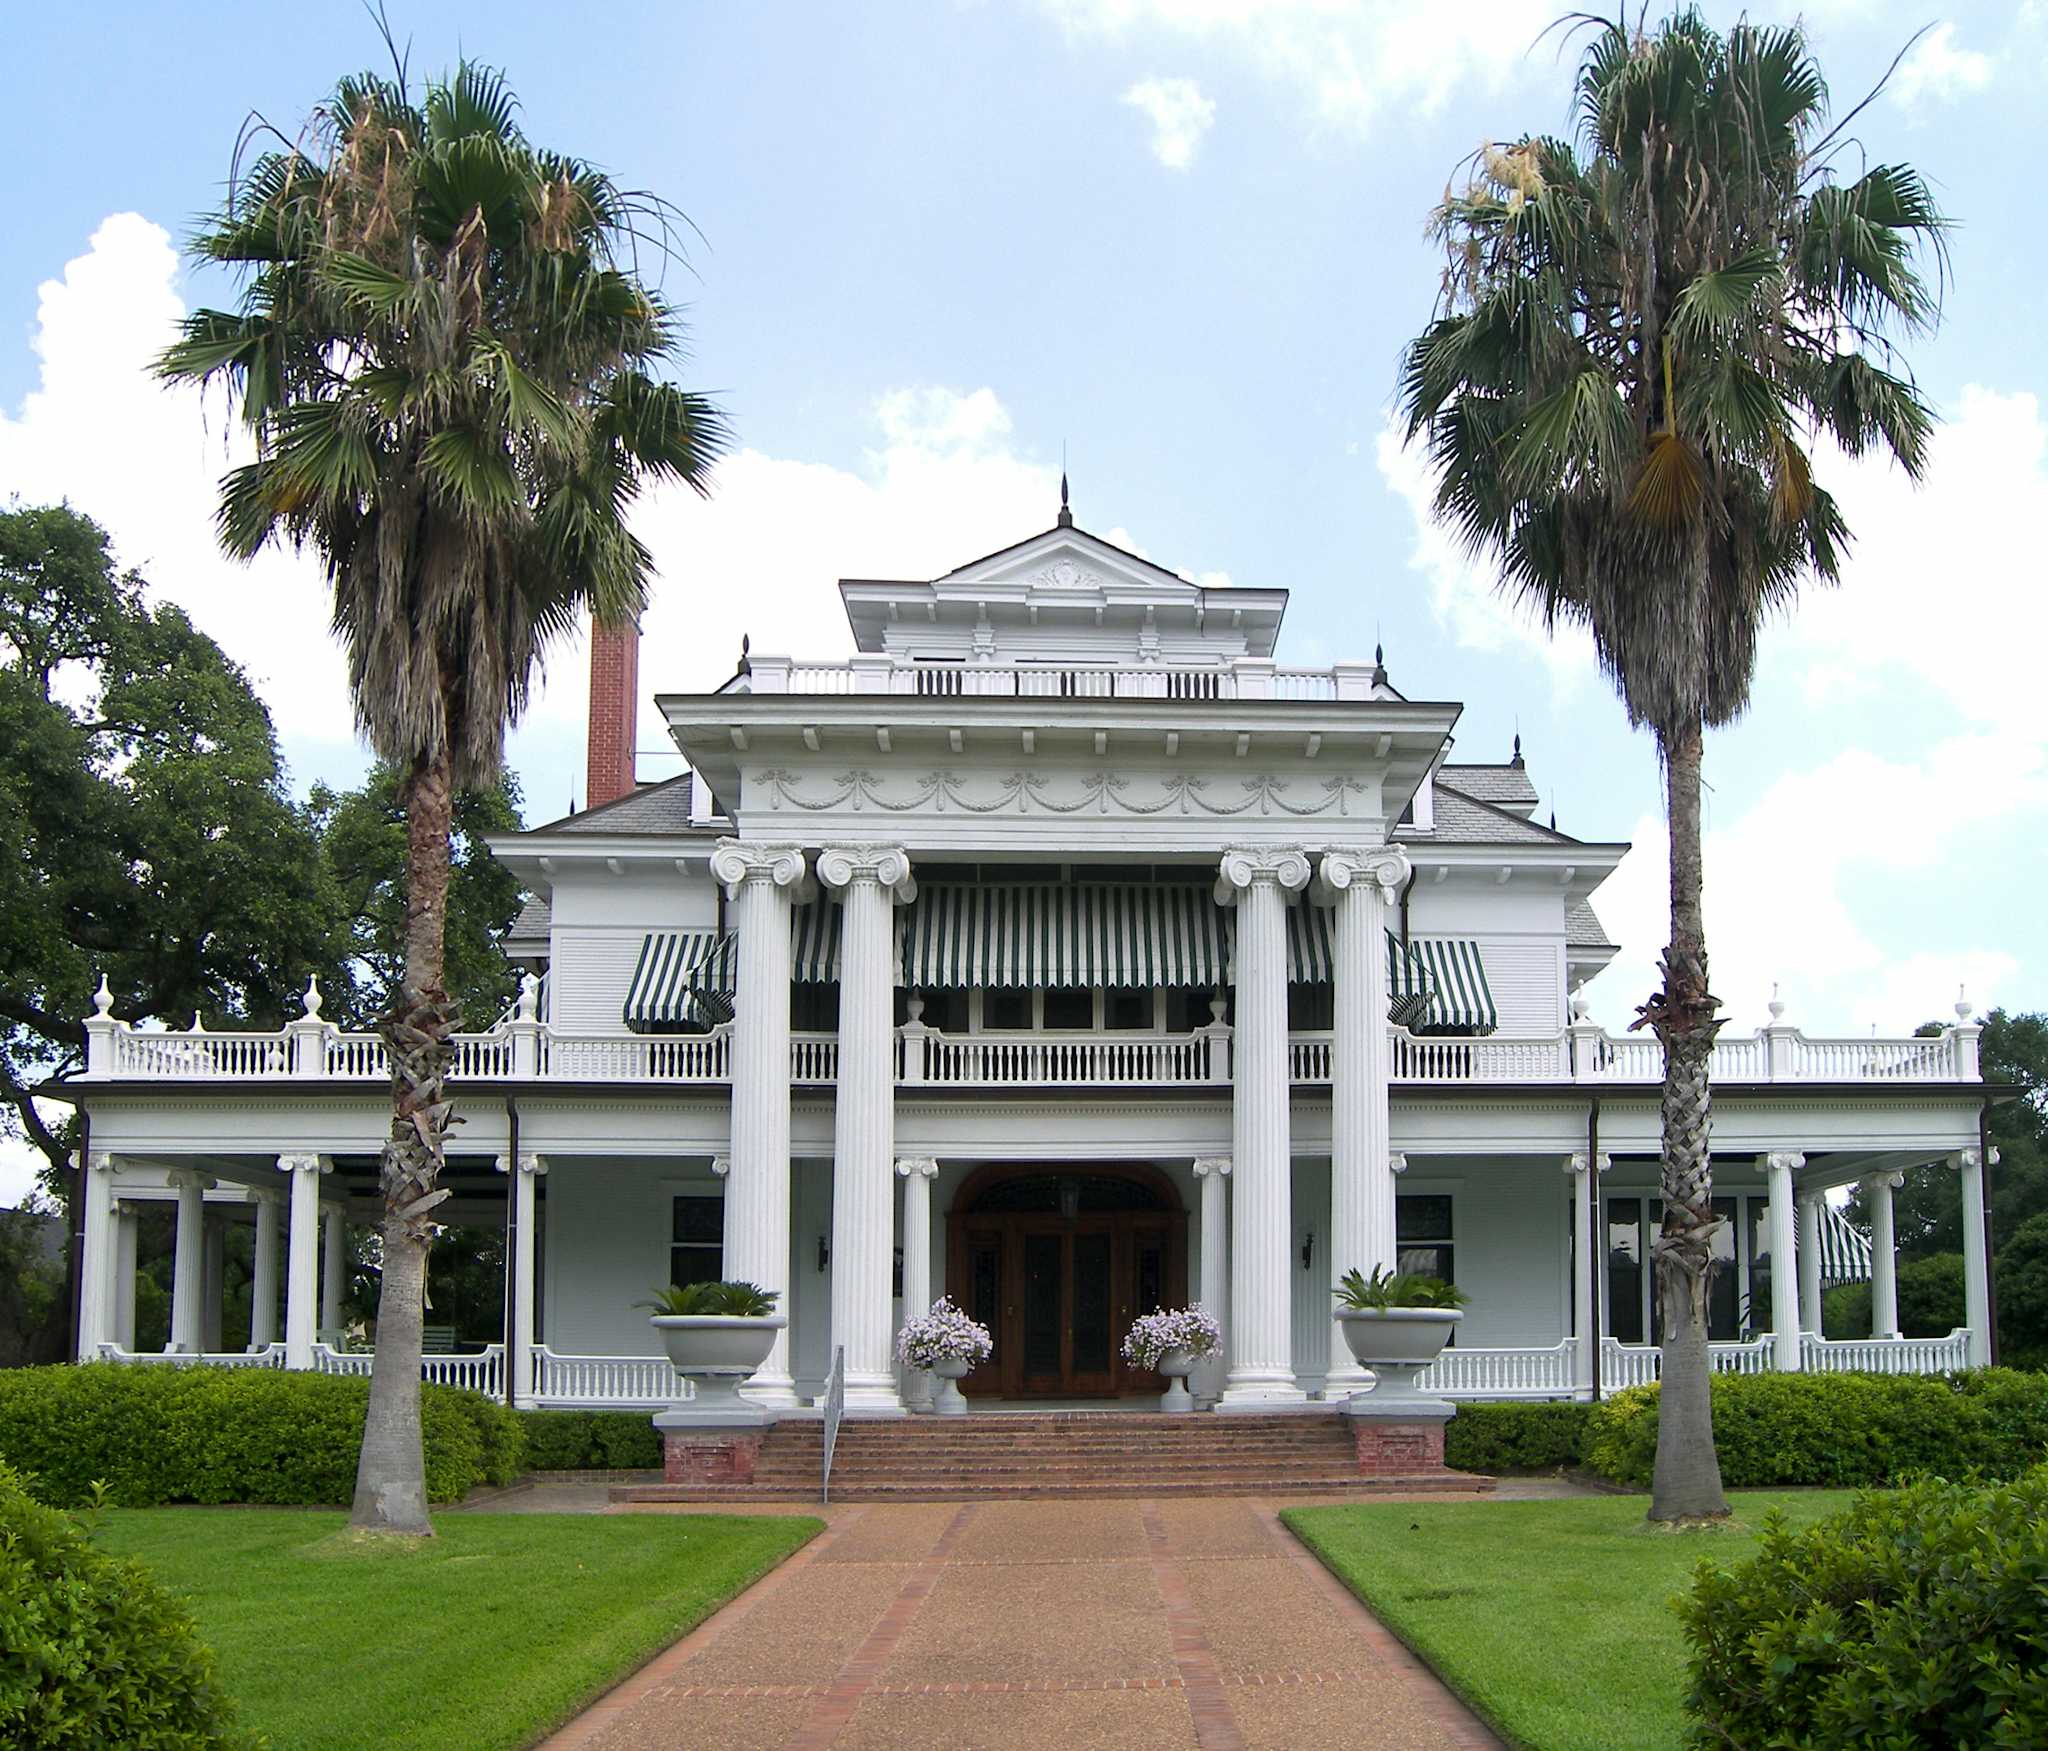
(525,1051)
(1241,678)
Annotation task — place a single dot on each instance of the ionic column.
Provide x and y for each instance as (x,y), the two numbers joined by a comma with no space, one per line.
(1784,1267)
(917,1173)
(188,1267)
(1258,881)
(1361,885)
(1586,1260)
(263,1273)
(1213,1287)
(760,881)
(96,1259)
(214,1226)
(1884,1261)
(519,1339)
(1976,1266)
(870,879)
(125,1237)
(302,1257)
(1809,1262)
(333,1264)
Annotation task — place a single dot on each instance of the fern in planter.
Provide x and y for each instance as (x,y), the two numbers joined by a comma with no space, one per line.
(702,1300)
(1385,1289)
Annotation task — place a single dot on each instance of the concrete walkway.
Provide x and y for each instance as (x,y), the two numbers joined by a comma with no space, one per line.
(1144,1626)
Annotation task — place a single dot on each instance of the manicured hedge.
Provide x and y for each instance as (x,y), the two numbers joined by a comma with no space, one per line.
(93,1651)
(156,1434)
(1916,1617)
(591,1441)
(1515,1437)
(1841,1430)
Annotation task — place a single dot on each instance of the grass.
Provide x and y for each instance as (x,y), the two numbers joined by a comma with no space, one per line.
(485,1637)
(1549,1618)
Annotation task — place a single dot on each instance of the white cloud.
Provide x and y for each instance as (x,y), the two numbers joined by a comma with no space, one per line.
(1463,591)
(1180,115)
(1348,61)
(1939,71)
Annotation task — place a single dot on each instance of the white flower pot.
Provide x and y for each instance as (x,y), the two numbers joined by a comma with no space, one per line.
(1176,1366)
(949,1371)
(1396,1343)
(716,1352)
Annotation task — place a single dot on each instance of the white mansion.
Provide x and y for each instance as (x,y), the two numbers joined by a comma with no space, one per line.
(1064,953)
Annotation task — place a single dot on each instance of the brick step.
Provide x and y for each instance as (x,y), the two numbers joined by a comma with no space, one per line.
(1350,1484)
(963,1430)
(1009,1463)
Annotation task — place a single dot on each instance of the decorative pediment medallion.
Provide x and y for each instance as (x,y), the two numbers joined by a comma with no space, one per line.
(1065,572)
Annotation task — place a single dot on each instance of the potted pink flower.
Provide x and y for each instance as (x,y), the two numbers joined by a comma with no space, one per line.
(1170,1341)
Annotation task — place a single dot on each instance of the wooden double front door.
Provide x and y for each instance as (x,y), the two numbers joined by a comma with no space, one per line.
(1058,1293)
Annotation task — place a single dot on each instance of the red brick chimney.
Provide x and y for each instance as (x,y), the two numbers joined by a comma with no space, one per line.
(614,711)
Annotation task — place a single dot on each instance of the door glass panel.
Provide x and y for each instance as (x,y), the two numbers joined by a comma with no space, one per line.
(1625,1269)
(1092,1305)
(1041,1304)
(1724,1293)
(1759,1265)
(1151,1283)
(985,1289)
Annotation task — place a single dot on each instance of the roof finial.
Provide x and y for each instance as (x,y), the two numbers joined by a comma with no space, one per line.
(1518,750)
(1066,515)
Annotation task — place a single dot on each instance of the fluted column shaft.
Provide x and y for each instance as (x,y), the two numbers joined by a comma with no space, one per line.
(1262,1355)
(761,881)
(1976,1266)
(1213,1288)
(302,1255)
(1586,1259)
(869,880)
(1784,1267)
(263,1274)
(525,1213)
(96,1297)
(188,1269)
(917,1174)
(1884,1261)
(1809,1262)
(1361,886)
(333,1265)
(125,1237)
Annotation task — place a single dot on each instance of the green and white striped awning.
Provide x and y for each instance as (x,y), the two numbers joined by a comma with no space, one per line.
(1121,935)
(1459,999)
(1312,960)
(688,978)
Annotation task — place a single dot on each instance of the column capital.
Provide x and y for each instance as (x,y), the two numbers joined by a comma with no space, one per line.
(1242,866)
(1205,1165)
(304,1164)
(721,1165)
(100,1161)
(917,1166)
(533,1165)
(1386,868)
(1789,1160)
(1397,1162)
(1888,1181)
(887,866)
(181,1177)
(738,861)
(1575,1165)
(1964,1159)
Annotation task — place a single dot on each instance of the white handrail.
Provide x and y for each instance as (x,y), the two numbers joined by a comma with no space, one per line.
(623,1381)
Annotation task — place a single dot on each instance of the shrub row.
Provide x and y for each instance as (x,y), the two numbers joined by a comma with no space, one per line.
(93,1651)
(590,1441)
(1915,1617)
(1516,1437)
(179,1434)
(1841,1430)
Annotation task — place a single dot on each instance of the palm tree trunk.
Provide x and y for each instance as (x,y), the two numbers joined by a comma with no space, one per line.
(1687,1480)
(391,1484)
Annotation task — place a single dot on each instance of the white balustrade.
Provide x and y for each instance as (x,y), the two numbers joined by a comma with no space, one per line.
(1629,1058)
(358,1056)
(269,1356)
(482,1056)
(1101,1060)
(199,1053)
(1496,1058)
(1885,1355)
(1309,1055)
(1738,1060)
(1858,1060)
(814,1057)
(636,1057)
(646,1381)
(1543,1371)
(1309,684)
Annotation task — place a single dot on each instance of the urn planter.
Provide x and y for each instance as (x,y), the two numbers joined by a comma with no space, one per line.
(1396,1343)
(716,1352)
(1176,1366)
(949,1371)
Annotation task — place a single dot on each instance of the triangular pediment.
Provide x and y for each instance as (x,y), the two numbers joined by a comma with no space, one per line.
(1064,561)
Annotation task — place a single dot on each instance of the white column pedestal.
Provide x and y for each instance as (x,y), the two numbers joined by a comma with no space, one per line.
(188,1270)
(917,1173)
(1261,1375)
(302,1257)
(761,881)
(1884,1255)
(1213,1286)
(1784,1262)
(1976,1265)
(263,1274)
(870,879)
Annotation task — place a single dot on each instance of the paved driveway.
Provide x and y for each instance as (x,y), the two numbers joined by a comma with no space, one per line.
(1144,1626)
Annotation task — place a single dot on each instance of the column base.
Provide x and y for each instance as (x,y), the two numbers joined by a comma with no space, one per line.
(1246,1393)
(776,1390)
(872,1399)
(1341,1383)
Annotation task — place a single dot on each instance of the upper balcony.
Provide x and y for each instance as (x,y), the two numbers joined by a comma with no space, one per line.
(1238,678)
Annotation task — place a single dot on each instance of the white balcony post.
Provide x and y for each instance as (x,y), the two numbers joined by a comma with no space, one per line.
(1784,1269)
(1781,1043)
(1259,879)
(188,1270)
(97,1258)
(1585,1037)
(913,1034)
(1361,886)
(1976,1265)
(1213,1287)
(768,674)
(126,1226)
(1968,1039)
(263,1273)
(917,1172)
(333,1264)
(100,1029)
(525,1207)
(308,1035)
(1809,1262)
(1353,681)
(870,879)
(761,881)
(302,1263)
(1884,1263)
(1253,677)
(1586,1262)
(525,1028)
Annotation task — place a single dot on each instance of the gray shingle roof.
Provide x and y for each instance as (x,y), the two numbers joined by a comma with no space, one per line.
(652,809)
(1465,820)
(533,925)
(1506,787)
(1582,927)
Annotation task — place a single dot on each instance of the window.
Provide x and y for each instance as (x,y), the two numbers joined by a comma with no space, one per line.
(944,1010)
(1005,1009)
(1422,1236)
(1069,1007)
(814,1009)
(697,1236)
(1724,1287)
(1186,1010)
(1625,1278)
(1123,1010)
(1632,1309)
(1311,1008)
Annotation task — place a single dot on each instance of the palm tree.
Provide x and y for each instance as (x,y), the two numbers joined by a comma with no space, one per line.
(1640,342)
(447,359)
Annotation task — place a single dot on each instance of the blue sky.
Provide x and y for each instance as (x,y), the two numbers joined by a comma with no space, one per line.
(1185,241)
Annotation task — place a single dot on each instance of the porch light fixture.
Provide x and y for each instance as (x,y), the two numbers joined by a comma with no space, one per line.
(1308,1248)
(1070,1198)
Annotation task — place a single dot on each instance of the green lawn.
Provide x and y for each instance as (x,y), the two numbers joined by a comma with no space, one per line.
(491,1634)
(1549,1618)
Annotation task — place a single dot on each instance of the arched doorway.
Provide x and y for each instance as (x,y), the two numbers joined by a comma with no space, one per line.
(1057,1262)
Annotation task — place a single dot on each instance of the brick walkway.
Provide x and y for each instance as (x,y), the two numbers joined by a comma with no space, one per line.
(1124,1624)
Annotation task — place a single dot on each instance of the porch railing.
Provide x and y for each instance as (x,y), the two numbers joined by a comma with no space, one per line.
(1501,1373)
(1885,1355)
(835,1411)
(1111,1060)
(630,1382)
(270,1356)
(1243,678)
